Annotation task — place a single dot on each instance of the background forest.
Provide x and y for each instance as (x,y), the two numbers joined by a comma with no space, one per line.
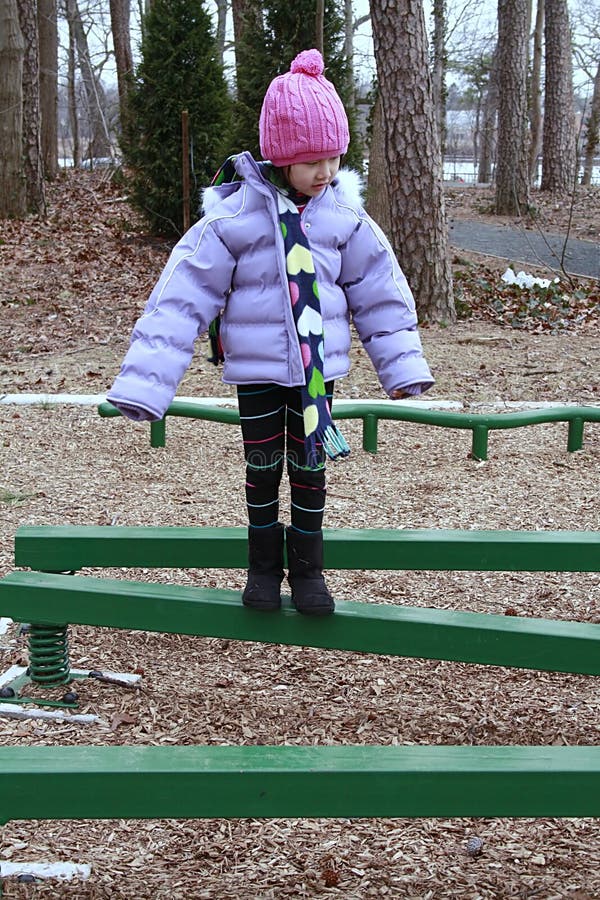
(171,87)
(507,97)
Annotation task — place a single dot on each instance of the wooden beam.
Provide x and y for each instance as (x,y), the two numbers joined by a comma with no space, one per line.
(554,646)
(70,547)
(125,782)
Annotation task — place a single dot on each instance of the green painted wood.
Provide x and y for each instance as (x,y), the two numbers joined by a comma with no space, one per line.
(277,781)
(478,423)
(66,548)
(186,409)
(575,436)
(364,627)
(446,419)
(158,433)
(479,443)
(71,547)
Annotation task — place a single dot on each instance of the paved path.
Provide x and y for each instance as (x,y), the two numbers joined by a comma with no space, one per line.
(522,246)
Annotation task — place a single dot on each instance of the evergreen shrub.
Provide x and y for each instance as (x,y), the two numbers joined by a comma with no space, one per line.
(179,70)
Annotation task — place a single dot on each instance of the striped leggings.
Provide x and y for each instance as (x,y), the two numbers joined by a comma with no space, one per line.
(271,420)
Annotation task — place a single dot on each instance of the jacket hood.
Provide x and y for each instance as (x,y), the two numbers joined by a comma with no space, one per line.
(347,185)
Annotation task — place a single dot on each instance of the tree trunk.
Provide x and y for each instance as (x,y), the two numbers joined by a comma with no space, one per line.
(32,142)
(221,29)
(349,50)
(512,172)
(246,14)
(438,70)
(487,139)
(418,225)
(592,134)
(535,94)
(73,118)
(119,23)
(319,26)
(477,127)
(239,14)
(378,194)
(48,33)
(12,50)
(142,10)
(98,137)
(559,156)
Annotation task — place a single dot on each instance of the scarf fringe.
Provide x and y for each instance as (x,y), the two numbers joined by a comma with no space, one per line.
(334,442)
(331,440)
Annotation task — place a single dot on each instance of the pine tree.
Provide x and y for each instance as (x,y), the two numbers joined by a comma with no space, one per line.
(267,48)
(254,70)
(179,71)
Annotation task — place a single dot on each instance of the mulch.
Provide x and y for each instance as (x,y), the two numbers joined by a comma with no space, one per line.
(65,465)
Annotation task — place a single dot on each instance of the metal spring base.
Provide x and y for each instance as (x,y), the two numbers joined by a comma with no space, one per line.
(49,655)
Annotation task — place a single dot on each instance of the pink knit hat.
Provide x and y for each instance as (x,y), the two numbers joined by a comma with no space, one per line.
(302,118)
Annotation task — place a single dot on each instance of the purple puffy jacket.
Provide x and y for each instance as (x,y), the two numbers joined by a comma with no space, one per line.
(233,260)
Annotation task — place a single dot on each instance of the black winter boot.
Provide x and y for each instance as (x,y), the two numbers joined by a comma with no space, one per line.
(265,573)
(305,560)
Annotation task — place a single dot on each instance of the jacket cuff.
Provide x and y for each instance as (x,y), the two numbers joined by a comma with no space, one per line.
(414,390)
(132,411)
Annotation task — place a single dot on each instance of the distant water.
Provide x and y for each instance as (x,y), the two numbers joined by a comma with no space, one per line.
(465,170)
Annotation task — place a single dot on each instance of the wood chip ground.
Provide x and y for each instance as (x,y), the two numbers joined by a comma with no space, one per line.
(66,465)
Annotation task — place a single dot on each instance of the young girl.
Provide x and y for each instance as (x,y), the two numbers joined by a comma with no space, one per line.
(287,252)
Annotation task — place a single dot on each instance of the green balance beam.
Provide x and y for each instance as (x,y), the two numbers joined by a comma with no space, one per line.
(365,627)
(280,781)
(480,424)
(71,547)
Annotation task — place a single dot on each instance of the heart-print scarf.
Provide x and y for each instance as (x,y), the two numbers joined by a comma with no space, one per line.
(319,428)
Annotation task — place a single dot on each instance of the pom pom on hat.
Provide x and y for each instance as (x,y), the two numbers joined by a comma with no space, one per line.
(302,117)
(310,62)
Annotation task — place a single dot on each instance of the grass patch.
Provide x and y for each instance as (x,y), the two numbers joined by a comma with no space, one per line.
(7,496)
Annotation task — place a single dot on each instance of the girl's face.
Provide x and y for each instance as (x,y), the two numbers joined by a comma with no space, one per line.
(311,177)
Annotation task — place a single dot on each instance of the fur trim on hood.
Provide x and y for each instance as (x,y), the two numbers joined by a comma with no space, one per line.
(212,196)
(347,187)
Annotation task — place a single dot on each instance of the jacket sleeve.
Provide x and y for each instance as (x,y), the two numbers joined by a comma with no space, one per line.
(190,292)
(383,309)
